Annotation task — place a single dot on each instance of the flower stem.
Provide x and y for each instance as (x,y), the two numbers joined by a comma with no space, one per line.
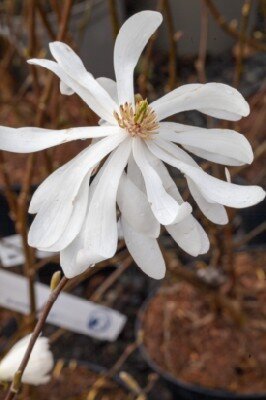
(15,385)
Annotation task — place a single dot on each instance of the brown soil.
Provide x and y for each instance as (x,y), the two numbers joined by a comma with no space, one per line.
(185,337)
(74,383)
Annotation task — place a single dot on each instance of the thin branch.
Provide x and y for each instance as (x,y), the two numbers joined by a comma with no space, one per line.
(172,45)
(114,17)
(201,60)
(231,30)
(14,387)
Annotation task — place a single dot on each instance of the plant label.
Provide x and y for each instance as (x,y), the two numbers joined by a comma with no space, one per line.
(69,312)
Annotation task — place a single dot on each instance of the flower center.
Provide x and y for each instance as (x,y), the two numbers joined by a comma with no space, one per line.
(140,122)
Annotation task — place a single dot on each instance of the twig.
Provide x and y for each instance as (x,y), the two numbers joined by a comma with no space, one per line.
(15,385)
(250,235)
(231,30)
(114,17)
(246,9)
(45,20)
(172,45)
(97,295)
(201,60)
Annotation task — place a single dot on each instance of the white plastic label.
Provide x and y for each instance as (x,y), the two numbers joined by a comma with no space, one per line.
(11,252)
(69,312)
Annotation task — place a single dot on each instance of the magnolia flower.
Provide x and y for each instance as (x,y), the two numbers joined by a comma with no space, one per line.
(40,364)
(79,218)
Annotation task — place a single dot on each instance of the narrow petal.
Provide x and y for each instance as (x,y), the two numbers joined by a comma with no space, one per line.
(110,86)
(222,146)
(213,189)
(215,212)
(66,90)
(31,139)
(226,193)
(76,219)
(145,251)
(73,66)
(131,40)
(56,198)
(82,91)
(101,224)
(214,99)
(135,208)
(164,207)
(190,236)
(68,257)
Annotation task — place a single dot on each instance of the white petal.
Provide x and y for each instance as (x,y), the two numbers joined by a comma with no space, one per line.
(214,99)
(222,146)
(56,198)
(227,175)
(73,66)
(40,364)
(131,40)
(164,207)
(213,211)
(82,91)
(110,86)
(226,193)
(135,175)
(66,90)
(68,257)
(145,251)
(213,189)
(135,208)
(76,219)
(190,236)
(101,223)
(31,139)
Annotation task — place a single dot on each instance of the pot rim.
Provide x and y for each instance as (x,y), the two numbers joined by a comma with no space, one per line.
(216,394)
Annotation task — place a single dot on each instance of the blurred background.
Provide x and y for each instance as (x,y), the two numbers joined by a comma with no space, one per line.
(199,41)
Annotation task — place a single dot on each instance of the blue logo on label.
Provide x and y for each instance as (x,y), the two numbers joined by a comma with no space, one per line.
(99,321)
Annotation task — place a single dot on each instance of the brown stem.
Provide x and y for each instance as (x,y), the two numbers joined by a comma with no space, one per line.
(172,45)
(114,17)
(246,9)
(97,295)
(45,20)
(201,60)
(232,31)
(14,387)
(32,43)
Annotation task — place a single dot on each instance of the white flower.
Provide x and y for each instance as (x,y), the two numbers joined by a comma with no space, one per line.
(40,364)
(79,219)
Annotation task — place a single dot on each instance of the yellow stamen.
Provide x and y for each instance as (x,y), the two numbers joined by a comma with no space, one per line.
(140,122)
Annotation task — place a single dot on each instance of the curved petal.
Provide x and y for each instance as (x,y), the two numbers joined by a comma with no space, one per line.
(131,40)
(190,236)
(76,220)
(145,251)
(215,212)
(66,90)
(226,193)
(214,190)
(110,86)
(214,99)
(164,207)
(73,66)
(223,146)
(56,198)
(68,257)
(31,139)
(135,208)
(101,224)
(82,91)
